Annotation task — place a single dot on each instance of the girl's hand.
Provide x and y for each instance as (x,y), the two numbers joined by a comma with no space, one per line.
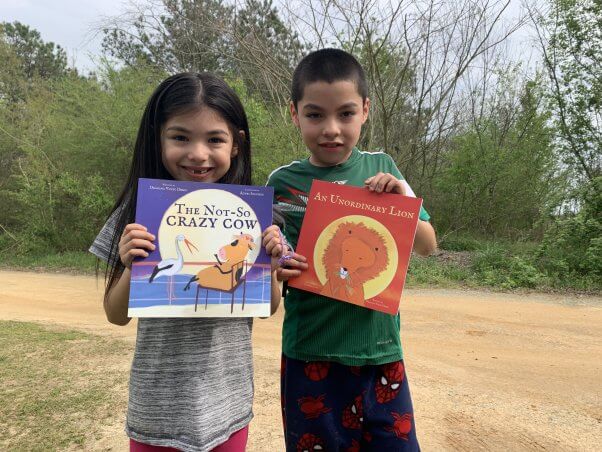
(274,245)
(135,240)
(385,182)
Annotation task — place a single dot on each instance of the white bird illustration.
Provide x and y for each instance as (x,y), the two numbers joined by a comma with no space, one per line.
(170,267)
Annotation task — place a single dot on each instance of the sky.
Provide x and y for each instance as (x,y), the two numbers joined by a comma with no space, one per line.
(72,24)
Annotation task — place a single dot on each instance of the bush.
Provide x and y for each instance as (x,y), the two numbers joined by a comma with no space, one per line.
(456,242)
(494,266)
(76,139)
(572,246)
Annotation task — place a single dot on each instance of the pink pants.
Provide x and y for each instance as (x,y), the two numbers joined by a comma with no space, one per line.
(236,443)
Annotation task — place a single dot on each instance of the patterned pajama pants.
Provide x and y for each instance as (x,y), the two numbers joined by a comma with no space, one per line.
(327,406)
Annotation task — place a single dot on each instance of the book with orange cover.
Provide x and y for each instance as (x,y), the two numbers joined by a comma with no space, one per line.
(358,244)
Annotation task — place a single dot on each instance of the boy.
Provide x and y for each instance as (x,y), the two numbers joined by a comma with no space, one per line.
(343,380)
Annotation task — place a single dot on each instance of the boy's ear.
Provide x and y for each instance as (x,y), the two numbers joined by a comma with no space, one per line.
(234,152)
(294,114)
(365,110)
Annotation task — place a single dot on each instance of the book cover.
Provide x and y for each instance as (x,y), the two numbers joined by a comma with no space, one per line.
(208,260)
(358,244)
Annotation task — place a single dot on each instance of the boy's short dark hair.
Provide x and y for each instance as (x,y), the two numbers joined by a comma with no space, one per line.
(328,65)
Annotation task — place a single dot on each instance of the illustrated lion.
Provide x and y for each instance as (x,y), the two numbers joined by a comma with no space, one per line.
(355,255)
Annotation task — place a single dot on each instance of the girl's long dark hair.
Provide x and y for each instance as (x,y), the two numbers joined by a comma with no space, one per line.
(178,94)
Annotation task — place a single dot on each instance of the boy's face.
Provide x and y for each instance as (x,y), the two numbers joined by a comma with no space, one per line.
(330,117)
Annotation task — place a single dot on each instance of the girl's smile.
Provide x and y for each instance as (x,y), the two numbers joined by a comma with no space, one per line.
(197,146)
(196,172)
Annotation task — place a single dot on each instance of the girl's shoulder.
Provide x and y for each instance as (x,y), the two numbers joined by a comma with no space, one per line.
(101,247)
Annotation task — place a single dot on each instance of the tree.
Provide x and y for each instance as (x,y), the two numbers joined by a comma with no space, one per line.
(570,37)
(28,64)
(202,35)
(177,35)
(36,57)
(498,178)
(417,55)
(266,50)
(569,33)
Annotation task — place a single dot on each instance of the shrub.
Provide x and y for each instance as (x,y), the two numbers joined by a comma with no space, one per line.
(572,246)
(494,266)
(457,242)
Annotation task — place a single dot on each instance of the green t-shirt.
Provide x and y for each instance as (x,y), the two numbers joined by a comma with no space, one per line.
(317,327)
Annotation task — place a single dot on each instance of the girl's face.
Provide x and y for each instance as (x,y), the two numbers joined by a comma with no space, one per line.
(197,146)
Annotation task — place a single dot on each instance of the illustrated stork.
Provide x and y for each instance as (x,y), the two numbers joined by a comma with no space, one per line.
(170,267)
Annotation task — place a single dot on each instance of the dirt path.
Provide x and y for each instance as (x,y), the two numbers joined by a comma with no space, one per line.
(487,371)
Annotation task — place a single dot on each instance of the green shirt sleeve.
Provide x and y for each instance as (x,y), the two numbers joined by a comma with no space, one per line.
(424,216)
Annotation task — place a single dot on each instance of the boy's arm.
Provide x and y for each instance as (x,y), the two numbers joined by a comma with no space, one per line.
(425,242)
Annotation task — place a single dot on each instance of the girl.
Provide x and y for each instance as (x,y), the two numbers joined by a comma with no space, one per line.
(191,383)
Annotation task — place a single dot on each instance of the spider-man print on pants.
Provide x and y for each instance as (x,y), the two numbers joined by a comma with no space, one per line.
(327,406)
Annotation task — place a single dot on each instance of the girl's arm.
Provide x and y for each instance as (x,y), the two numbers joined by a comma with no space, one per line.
(272,241)
(116,300)
(134,242)
(276,293)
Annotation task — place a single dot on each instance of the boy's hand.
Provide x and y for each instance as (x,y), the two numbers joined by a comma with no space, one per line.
(135,240)
(276,246)
(292,267)
(385,182)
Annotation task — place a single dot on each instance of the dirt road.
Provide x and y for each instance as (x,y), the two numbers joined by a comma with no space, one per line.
(487,371)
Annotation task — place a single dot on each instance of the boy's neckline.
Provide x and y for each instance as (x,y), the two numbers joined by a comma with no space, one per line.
(352,157)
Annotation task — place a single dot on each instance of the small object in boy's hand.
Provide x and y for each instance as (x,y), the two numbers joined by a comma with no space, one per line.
(285,256)
(282,260)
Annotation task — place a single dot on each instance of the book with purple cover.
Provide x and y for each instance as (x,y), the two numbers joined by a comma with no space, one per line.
(208,260)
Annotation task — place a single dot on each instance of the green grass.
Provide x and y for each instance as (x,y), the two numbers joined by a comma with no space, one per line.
(429,272)
(466,242)
(58,388)
(72,262)
(460,242)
